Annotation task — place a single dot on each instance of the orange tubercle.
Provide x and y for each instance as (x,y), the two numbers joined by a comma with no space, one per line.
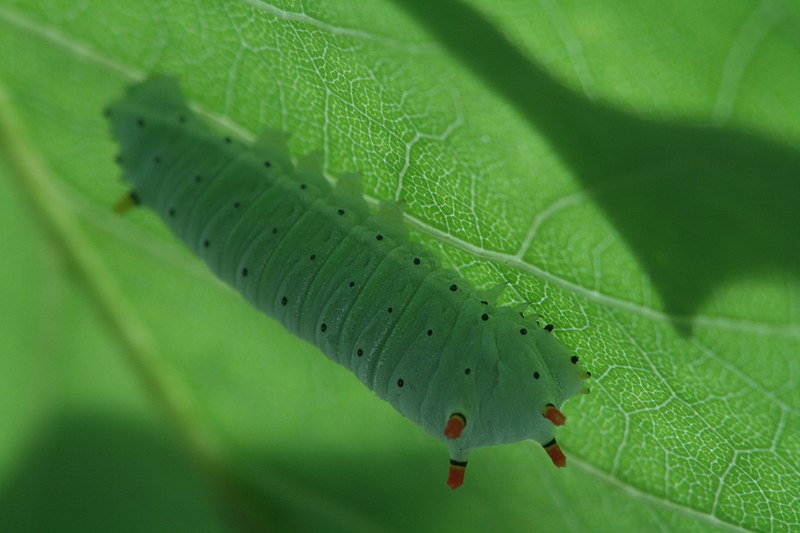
(555,453)
(455,425)
(554,415)
(455,477)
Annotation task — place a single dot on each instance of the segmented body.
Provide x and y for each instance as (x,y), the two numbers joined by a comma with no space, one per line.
(342,277)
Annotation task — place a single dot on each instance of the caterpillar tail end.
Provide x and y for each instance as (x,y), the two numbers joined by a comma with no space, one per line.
(455,477)
(556,455)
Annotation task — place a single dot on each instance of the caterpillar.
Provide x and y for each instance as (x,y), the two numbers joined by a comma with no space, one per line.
(346,278)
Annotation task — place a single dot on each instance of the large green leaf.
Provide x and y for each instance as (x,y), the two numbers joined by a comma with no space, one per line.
(632,169)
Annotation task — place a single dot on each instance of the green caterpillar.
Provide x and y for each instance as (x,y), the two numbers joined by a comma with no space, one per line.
(346,279)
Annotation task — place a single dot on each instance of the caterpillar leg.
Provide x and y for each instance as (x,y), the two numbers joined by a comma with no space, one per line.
(126,202)
(555,453)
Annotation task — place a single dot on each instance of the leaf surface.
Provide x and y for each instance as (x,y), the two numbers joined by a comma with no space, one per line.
(630,170)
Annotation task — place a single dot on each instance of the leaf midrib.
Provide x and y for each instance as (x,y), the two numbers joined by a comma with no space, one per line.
(787,330)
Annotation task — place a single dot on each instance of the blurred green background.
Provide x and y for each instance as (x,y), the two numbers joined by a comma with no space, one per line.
(631,169)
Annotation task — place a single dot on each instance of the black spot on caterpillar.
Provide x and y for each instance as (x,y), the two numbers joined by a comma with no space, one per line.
(346,279)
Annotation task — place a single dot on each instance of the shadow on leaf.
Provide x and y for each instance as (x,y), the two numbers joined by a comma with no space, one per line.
(98,473)
(700,206)
(95,473)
